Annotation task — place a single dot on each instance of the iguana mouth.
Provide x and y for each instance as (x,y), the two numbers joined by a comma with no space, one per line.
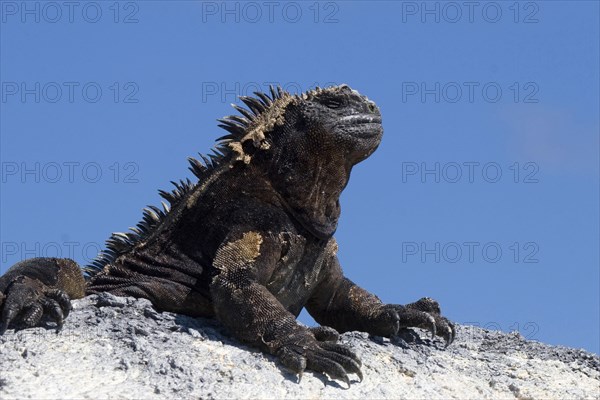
(365,126)
(360,119)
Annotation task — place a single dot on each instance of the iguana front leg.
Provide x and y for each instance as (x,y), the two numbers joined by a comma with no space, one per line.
(343,305)
(36,287)
(255,316)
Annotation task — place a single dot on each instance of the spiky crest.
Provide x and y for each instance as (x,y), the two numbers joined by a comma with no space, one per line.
(263,113)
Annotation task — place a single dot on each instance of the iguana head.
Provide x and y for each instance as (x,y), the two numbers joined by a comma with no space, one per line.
(336,115)
(306,145)
(341,117)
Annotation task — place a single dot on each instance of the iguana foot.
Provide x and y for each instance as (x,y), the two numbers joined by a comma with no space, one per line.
(424,313)
(27,300)
(302,350)
(325,333)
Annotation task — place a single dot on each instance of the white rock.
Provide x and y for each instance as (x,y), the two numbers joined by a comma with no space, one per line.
(125,349)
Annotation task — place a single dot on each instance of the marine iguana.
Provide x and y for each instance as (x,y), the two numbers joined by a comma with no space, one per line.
(251,243)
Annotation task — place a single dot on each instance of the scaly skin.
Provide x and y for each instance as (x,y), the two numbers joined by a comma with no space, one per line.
(251,243)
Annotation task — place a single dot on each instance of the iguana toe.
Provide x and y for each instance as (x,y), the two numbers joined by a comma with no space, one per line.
(27,301)
(325,333)
(302,351)
(425,314)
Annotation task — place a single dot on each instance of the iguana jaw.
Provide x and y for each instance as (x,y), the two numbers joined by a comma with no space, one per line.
(360,119)
(362,126)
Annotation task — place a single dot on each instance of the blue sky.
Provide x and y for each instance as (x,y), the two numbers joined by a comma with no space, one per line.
(483,193)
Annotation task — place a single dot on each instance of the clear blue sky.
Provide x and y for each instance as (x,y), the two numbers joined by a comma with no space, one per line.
(98,115)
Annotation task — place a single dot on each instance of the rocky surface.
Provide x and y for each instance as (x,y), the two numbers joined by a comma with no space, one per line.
(113,347)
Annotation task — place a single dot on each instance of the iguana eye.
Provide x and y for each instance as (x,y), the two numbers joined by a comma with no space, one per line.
(331,103)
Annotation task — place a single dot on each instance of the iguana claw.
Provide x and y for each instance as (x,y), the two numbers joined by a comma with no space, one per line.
(303,351)
(424,314)
(27,301)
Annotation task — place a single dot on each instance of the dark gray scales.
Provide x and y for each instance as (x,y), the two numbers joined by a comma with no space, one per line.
(250,243)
